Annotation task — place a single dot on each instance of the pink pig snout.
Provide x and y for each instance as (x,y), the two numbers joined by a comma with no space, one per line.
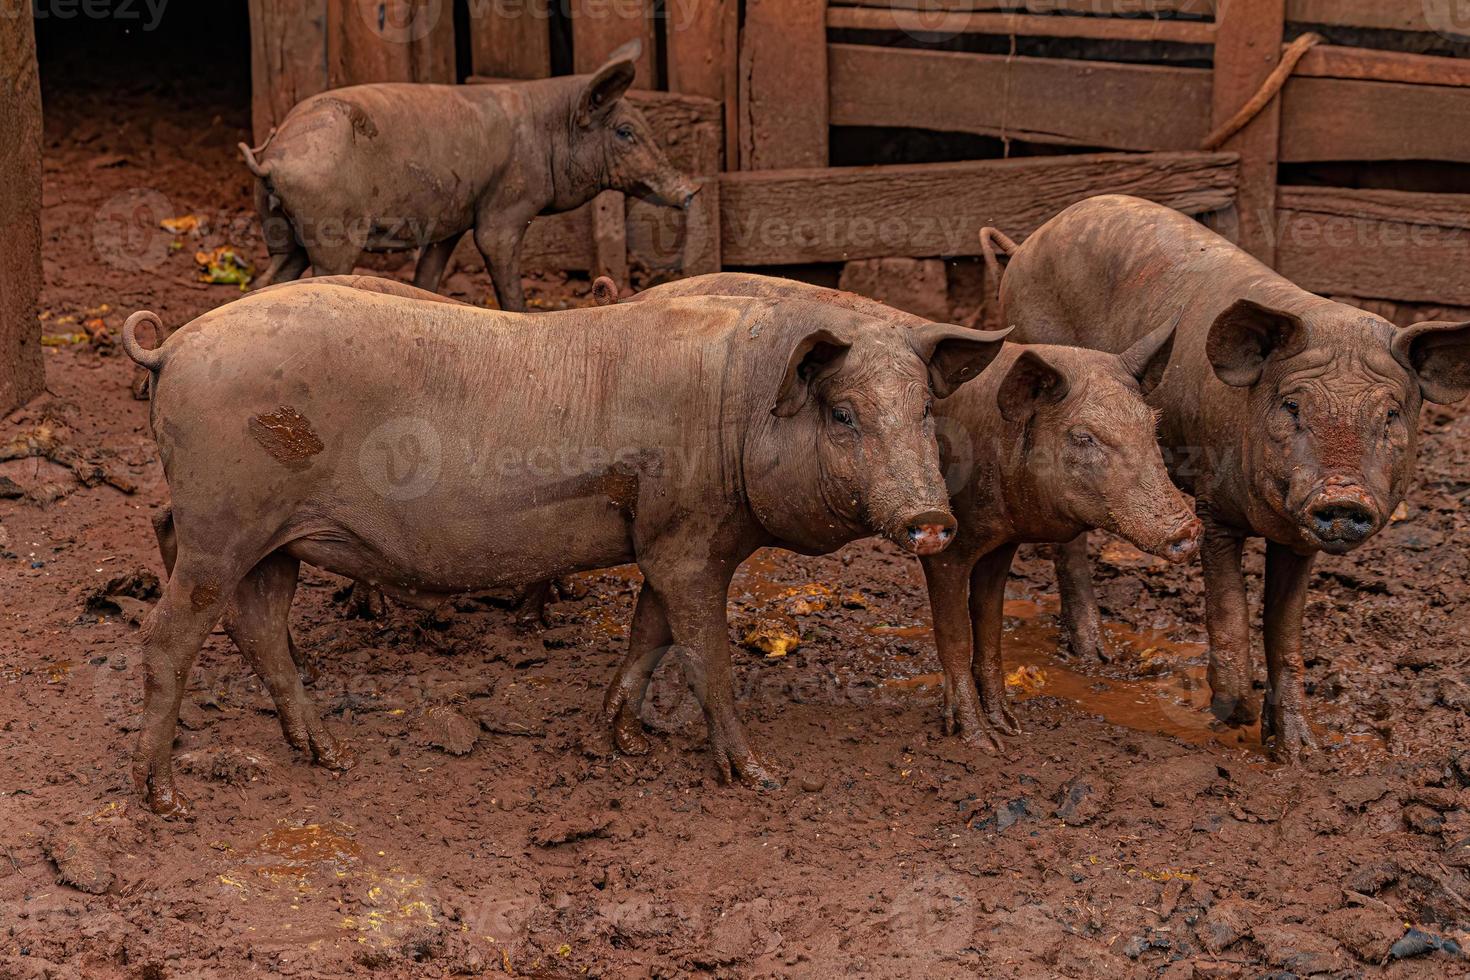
(929,533)
(1183,543)
(1342,515)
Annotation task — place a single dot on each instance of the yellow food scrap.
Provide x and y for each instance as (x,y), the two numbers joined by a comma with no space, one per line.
(182,225)
(1027,679)
(775,640)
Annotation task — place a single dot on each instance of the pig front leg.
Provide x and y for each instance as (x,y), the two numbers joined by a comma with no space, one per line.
(432,260)
(948,578)
(693,596)
(987,614)
(1284,719)
(1227,621)
(648,641)
(500,246)
(1081,621)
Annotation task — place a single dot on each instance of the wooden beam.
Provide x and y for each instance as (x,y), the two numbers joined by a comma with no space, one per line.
(388,41)
(600,27)
(1382,244)
(702,230)
(701,38)
(1247,46)
(920,22)
(1043,100)
(937,209)
(1330,61)
(1327,119)
(783,85)
(513,42)
(22,373)
(1439,16)
(1201,8)
(288,42)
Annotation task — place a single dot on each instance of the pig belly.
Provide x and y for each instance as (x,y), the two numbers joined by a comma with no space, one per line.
(414,554)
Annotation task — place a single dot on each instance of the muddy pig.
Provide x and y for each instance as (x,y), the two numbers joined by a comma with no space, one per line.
(1288,417)
(1051,441)
(396,166)
(396,441)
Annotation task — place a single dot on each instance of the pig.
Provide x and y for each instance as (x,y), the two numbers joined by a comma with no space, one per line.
(1289,417)
(1050,442)
(396,166)
(434,448)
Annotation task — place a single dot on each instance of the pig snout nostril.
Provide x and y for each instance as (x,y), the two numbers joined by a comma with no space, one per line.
(1342,520)
(1183,543)
(688,200)
(930,533)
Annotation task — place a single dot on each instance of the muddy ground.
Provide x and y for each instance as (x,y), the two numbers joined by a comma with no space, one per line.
(1121,836)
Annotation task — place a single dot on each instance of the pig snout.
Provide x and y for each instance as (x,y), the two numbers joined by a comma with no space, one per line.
(1342,515)
(1183,542)
(929,533)
(676,193)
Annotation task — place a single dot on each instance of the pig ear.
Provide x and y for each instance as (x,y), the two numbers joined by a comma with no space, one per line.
(1242,337)
(609,83)
(818,355)
(954,354)
(1438,353)
(1146,359)
(1030,383)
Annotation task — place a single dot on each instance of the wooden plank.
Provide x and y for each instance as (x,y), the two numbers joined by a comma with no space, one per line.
(1331,61)
(783,85)
(511,41)
(1393,245)
(22,372)
(1440,16)
(559,241)
(288,44)
(1247,46)
(920,210)
(600,27)
(610,236)
(389,41)
(702,230)
(701,41)
(948,24)
(1201,8)
(1343,119)
(1082,103)
(917,286)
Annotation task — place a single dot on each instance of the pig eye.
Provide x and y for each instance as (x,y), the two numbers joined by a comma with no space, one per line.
(1082,437)
(1393,415)
(843,416)
(625,133)
(1292,408)
(928,409)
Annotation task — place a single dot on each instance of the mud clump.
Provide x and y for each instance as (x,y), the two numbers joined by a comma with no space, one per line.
(78,863)
(445,728)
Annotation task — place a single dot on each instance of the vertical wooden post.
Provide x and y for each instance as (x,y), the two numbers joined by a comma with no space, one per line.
(702,232)
(600,27)
(22,374)
(610,237)
(389,41)
(288,42)
(1247,46)
(783,85)
(509,39)
(700,37)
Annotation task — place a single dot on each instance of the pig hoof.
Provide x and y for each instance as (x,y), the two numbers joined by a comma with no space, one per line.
(366,601)
(1290,736)
(163,799)
(1237,712)
(1003,721)
(629,738)
(331,754)
(750,772)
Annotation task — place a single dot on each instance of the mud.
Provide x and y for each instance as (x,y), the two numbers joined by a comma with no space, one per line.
(1121,836)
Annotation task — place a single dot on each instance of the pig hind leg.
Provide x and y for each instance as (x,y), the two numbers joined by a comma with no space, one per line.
(501,250)
(429,272)
(1081,621)
(284,267)
(288,259)
(258,623)
(987,617)
(648,641)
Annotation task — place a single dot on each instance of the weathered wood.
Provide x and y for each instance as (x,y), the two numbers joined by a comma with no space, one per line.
(917,286)
(1329,61)
(701,38)
(610,236)
(949,23)
(389,41)
(559,241)
(510,38)
(938,209)
(1443,16)
(1341,119)
(1381,244)
(783,116)
(702,230)
(1247,46)
(1202,8)
(288,40)
(1082,103)
(600,27)
(22,373)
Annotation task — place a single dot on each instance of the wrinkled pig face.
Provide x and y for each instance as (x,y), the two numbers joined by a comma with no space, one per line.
(1090,443)
(1334,407)
(854,417)
(613,145)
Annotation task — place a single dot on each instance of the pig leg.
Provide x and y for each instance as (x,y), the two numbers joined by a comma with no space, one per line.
(948,578)
(334,259)
(530,608)
(284,267)
(501,249)
(432,261)
(694,600)
(987,613)
(258,623)
(1284,718)
(1227,621)
(1081,621)
(192,602)
(648,641)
